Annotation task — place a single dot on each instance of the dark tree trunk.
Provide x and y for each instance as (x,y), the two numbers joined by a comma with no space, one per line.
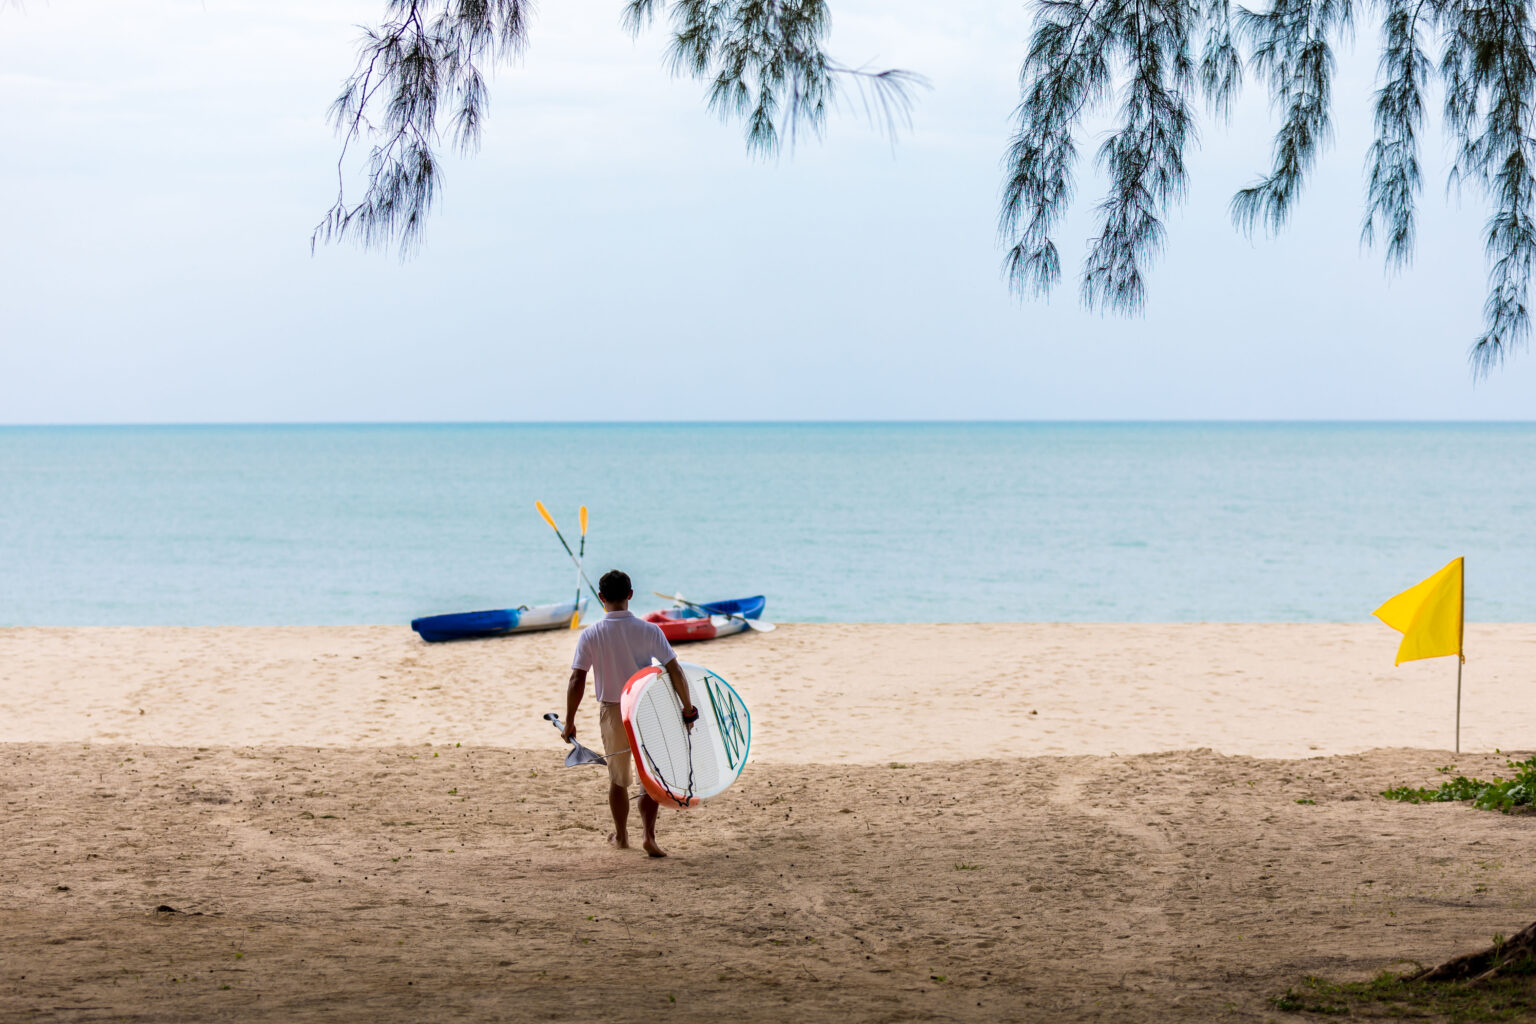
(1516,955)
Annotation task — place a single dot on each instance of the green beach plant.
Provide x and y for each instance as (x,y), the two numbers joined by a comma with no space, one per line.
(421,72)
(1512,795)
(1510,996)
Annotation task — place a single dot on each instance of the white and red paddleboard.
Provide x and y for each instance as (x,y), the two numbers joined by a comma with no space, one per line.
(679,767)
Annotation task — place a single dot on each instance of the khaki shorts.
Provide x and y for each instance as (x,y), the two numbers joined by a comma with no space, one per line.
(615,744)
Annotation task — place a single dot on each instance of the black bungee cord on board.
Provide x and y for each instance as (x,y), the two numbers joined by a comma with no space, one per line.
(687,796)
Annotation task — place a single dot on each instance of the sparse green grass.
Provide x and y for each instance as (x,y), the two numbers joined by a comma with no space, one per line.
(962,866)
(1390,995)
(1511,796)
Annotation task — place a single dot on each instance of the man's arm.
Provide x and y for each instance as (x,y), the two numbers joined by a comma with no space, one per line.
(680,684)
(574,691)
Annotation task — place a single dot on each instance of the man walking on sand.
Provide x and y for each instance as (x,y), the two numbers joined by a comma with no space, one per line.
(615,648)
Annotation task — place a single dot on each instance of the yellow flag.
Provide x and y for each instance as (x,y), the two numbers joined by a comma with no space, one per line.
(1428,614)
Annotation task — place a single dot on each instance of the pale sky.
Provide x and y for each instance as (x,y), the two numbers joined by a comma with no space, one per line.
(613,254)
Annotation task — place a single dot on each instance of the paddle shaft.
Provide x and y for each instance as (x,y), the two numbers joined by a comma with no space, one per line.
(576,615)
(580,571)
(706,611)
(694,604)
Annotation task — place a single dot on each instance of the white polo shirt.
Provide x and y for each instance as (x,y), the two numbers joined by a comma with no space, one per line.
(616,647)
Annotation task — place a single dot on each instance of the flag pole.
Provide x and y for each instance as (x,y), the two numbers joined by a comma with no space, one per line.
(1461,651)
(1458,704)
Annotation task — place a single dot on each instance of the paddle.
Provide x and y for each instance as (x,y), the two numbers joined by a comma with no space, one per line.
(576,615)
(757,624)
(578,754)
(579,570)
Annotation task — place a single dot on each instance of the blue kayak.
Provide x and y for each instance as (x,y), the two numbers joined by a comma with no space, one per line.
(746,607)
(470,625)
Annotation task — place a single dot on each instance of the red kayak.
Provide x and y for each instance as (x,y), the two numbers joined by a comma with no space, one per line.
(679,629)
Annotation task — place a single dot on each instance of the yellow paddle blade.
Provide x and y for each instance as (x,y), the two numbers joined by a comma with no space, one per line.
(576,619)
(583,520)
(547,517)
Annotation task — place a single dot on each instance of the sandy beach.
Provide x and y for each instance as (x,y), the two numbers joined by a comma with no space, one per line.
(958,822)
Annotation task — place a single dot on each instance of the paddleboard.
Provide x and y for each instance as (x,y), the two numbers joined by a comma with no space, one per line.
(679,768)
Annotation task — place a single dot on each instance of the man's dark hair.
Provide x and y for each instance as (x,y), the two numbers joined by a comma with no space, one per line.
(614,586)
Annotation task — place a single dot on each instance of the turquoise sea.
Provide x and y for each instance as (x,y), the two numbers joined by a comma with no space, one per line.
(834,522)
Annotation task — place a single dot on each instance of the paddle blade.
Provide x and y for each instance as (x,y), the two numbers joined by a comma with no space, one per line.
(547,517)
(580,755)
(583,520)
(576,619)
(760,625)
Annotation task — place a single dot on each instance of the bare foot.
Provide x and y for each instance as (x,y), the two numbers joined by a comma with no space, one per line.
(652,849)
(618,841)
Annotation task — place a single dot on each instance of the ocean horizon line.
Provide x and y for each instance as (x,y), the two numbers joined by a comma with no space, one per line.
(258,424)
